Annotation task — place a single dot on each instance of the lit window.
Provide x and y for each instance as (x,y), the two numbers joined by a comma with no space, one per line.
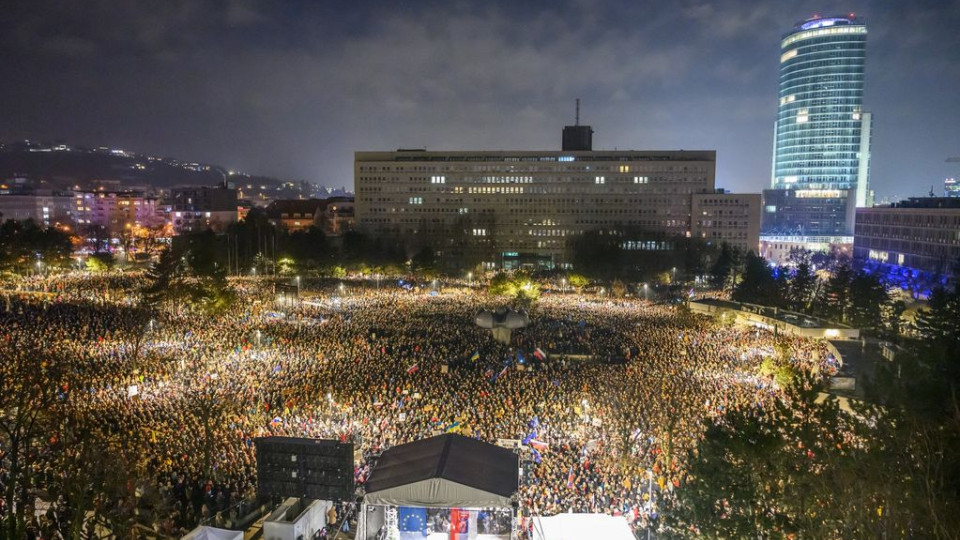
(600,180)
(640,179)
(416,200)
(788,55)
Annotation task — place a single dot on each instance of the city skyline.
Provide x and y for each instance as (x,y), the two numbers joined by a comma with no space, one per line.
(293,92)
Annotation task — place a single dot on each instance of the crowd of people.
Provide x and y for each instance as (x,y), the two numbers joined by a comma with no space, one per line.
(188,393)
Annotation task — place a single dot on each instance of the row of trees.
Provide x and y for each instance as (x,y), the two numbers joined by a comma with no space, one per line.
(846,295)
(27,247)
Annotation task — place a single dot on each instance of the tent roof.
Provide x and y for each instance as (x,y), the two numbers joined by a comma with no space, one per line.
(445,471)
(576,526)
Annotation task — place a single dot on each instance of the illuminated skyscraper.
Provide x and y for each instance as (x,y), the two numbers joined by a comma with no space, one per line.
(821,154)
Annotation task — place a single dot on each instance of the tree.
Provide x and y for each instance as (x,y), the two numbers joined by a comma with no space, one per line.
(723,269)
(577,281)
(25,246)
(518,286)
(801,287)
(833,298)
(31,380)
(759,284)
(599,256)
(100,262)
(868,301)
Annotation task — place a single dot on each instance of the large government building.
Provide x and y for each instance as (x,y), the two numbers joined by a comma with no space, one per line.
(504,209)
(821,154)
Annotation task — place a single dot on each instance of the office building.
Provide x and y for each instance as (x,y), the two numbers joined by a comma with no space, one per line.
(916,238)
(504,209)
(196,209)
(731,218)
(821,154)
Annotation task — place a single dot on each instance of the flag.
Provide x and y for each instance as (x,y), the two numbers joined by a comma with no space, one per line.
(412,369)
(475,356)
(498,375)
(538,445)
(452,428)
(538,352)
(536,456)
(570,477)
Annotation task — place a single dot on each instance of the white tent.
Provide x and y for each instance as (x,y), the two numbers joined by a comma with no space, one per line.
(212,533)
(579,526)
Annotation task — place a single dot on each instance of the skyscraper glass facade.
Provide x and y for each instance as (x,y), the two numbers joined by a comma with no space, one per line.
(822,136)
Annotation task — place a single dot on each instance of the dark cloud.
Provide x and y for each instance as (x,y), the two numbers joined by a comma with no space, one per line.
(293,89)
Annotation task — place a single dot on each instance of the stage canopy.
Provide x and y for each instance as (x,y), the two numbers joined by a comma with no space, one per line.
(447,471)
(578,526)
(211,533)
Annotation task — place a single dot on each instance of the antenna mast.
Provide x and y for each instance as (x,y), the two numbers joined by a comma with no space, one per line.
(577,119)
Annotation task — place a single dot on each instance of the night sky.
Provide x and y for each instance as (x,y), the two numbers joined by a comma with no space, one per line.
(292,89)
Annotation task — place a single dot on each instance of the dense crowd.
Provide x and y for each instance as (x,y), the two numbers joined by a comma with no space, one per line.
(189,393)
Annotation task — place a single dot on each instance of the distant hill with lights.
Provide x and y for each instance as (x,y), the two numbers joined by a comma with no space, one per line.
(63,166)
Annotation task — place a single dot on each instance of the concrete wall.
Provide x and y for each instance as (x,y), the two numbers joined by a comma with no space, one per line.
(755,319)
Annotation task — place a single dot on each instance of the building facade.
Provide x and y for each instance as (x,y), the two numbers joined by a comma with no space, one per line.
(115,212)
(909,238)
(47,209)
(196,209)
(498,207)
(731,218)
(821,149)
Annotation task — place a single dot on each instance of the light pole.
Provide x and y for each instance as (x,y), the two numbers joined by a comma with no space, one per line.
(470,278)
(258,338)
(341,288)
(649,499)
(563,285)
(378,282)
(674,275)
(645,296)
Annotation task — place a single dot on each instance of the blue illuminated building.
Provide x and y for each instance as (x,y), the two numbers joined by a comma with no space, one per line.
(914,244)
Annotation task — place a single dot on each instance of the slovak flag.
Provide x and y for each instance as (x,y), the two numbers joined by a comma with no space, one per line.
(540,354)
(412,369)
(570,477)
(538,445)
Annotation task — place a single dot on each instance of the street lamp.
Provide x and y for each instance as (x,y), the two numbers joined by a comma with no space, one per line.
(674,274)
(378,282)
(563,284)
(341,288)
(470,277)
(645,296)
(258,338)
(649,499)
